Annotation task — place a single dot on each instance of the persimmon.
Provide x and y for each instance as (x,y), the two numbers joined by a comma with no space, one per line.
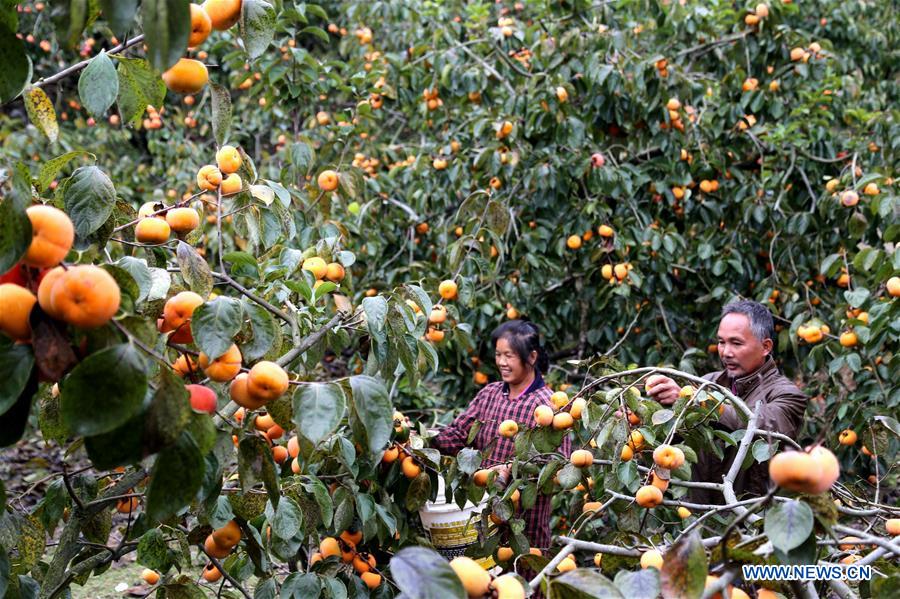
(591,506)
(508,586)
(52,235)
(626,454)
(847,437)
(480,478)
(203,399)
(209,177)
(508,429)
(504,130)
(668,457)
(228,535)
(279,454)
(893,286)
(581,458)
(390,455)
(274,432)
(651,558)
(409,467)
(683,512)
(659,482)
(149,576)
(448,290)
(636,440)
(316,265)
(187,76)
(480,378)
(504,554)
(543,415)
(201,26)
(892,526)
(371,579)
(228,159)
(184,366)
(179,309)
(573,242)
(438,314)
(223,13)
(223,368)
(563,421)
(577,408)
(293,446)
(15,308)
(183,220)
(327,180)
(211,573)
(330,547)
(559,399)
(232,184)
(567,564)
(263,422)
(152,230)
(127,505)
(85,296)
(334,272)
(475,579)
(803,472)
(267,380)
(434,335)
(648,496)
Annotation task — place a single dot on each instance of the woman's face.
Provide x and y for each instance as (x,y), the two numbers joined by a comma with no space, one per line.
(512,369)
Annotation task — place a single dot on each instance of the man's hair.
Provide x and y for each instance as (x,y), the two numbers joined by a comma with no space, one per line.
(761,323)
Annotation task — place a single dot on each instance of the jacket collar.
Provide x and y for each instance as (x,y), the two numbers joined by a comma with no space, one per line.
(536,384)
(745,384)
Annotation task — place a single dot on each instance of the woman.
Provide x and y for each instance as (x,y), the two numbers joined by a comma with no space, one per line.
(520,360)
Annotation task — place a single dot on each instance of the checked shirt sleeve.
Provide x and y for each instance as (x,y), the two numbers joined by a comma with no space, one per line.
(452,438)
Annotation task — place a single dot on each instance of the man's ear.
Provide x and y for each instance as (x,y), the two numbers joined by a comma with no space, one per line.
(768,345)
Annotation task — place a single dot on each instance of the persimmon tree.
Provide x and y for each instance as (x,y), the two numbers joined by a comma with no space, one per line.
(276,223)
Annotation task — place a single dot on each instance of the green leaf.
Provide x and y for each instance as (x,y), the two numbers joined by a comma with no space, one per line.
(257,26)
(288,519)
(194,269)
(104,390)
(16,71)
(583,584)
(643,583)
(255,465)
(371,414)
(119,14)
(52,168)
(98,85)
(221,112)
(152,550)
(89,198)
(299,585)
(266,332)
(789,524)
(41,113)
(15,233)
(425,574)
(139,85)
(176,477)
(318,410)
(684,568)
(215,323)
(167,27)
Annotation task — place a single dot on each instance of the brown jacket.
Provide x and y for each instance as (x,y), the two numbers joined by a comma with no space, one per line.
(783,405)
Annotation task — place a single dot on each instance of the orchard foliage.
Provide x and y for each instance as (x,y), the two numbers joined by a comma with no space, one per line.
(614,171)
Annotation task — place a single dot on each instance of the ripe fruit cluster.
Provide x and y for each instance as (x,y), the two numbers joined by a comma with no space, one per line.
(83,296)
(219,545)
(222,176)
(345,548)
(252,390)
(189,76)
(813,331)
(478,582)
(616,273)
(324,271)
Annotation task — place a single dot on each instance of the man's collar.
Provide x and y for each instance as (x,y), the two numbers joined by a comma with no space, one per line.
(743,384)
(536,384)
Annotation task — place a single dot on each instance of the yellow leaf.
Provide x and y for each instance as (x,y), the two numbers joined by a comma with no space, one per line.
(41,112)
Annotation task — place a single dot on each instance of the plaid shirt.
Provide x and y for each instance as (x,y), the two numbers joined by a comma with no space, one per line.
(490,407)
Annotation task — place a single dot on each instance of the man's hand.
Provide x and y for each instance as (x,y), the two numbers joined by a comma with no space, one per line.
(663,389)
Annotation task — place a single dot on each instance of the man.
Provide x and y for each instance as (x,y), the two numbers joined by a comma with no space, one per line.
(745,340)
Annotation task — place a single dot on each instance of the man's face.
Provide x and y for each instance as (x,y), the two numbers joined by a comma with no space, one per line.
(740,351)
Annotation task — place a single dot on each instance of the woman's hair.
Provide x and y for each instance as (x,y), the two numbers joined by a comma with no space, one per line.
(524,338)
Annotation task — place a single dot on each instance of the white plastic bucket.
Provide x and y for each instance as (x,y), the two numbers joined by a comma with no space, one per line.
(453,530)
